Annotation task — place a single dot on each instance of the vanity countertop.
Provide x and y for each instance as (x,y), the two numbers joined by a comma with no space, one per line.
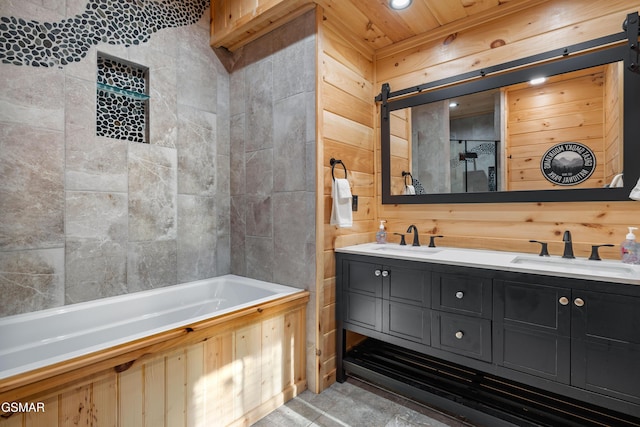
(580,268)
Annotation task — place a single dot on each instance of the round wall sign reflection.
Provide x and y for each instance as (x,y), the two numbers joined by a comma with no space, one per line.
(569,163)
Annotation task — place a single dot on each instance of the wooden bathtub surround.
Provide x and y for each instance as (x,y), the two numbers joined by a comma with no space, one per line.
(230,370)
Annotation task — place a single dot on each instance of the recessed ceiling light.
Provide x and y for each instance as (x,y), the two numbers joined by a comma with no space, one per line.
(538,80)
(399,4)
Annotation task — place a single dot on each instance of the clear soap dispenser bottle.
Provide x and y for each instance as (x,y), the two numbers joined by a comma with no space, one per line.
(381,235)
(630,248)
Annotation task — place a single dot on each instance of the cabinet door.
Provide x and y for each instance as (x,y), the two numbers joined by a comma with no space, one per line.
(362,277)
(408,285)
(532,326)
(363,310)
(407,321)
(606,345)
(462,294)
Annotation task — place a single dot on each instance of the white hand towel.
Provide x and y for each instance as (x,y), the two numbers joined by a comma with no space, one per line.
(635,192)
(409,190)
(341,215)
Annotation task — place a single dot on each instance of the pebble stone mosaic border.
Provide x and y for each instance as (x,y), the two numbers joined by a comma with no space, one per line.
(50,44)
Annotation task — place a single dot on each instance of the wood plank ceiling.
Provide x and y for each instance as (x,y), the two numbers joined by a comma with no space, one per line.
(377,26)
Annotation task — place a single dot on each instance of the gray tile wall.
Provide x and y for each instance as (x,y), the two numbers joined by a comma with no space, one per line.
(85,217)
(273,173)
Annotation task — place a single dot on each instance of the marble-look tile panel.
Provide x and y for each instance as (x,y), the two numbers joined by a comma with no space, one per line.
(32,190)
(223,193)
(289,132)
(223,254)
(237,91)
(237,213)
(25,99)
(162,85)
(223,115)
(151,265)
(197,87)
(237,158)
(152,192)
(80,105)
(292,77)
(259,107)
(31,280)
(94,162)
(197,238)
(293,230)
(259,258)
(259,172)
(259,215)
(196,151)
(100,216)
(94,268)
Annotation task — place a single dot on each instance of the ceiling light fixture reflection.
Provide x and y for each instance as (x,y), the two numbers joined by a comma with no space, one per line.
(538,80)
(399,4)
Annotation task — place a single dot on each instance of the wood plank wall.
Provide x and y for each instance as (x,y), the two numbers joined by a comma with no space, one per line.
(553,24)
(346,132)
(565,109)
(238,374)
(613,113)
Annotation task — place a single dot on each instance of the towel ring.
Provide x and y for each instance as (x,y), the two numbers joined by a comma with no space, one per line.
(404,175)
(333,162)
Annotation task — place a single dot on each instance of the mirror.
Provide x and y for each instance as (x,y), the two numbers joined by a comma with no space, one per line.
(501,138)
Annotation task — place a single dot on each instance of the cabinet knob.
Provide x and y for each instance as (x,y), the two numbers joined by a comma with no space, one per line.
(579,302)
(377,273)
(459,295)
(385,273)
(459,335)
(563,300)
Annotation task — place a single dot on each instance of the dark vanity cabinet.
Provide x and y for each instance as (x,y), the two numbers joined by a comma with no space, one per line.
(576,339)
(391,297)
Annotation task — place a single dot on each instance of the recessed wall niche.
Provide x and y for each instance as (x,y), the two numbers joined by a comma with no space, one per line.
(122,110)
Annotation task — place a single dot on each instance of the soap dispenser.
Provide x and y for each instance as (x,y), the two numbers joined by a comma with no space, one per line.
(381,235)
(630,249)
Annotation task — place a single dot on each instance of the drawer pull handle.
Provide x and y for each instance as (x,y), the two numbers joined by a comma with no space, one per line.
(385,273)
(579,302)
(377,273)
(459,335)
(459,295)
(563,300)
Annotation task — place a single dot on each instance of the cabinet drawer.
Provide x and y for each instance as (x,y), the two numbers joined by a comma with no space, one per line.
(467,295)
(363,310)
(407,321)
(465,335)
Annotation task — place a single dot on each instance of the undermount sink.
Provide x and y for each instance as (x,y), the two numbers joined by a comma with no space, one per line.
(576,266)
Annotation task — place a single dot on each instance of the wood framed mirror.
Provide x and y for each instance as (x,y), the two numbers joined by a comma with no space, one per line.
(493,136)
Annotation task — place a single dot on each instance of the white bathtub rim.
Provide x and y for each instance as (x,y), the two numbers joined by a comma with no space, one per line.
(281,291)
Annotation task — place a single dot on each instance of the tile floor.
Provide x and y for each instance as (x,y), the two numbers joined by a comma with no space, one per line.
(355,404)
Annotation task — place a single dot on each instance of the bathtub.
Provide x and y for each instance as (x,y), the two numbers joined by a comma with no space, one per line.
(39,339)
(222,351)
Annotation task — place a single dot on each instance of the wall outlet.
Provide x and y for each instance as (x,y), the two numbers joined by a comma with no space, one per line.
(354,203)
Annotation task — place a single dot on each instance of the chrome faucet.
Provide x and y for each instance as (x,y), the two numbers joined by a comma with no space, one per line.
(416,239)
(568,247)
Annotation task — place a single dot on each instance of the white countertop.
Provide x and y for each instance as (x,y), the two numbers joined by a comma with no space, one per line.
(579,268)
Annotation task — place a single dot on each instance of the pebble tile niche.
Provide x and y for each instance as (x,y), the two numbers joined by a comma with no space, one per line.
(49,44)
(122,103)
